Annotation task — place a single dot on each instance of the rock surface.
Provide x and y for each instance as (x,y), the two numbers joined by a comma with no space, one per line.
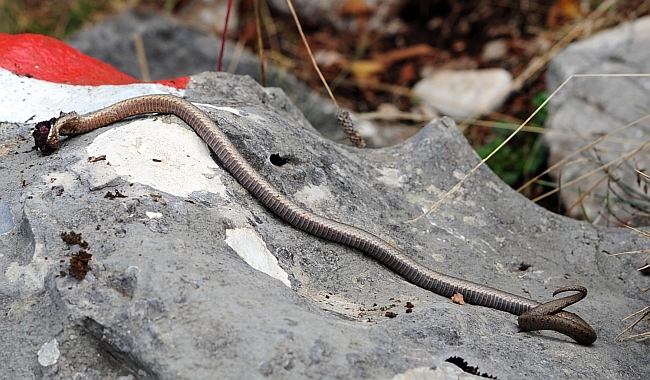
(590,107)
(167,296)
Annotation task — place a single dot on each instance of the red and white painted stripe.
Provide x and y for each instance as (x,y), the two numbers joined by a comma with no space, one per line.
(42,76)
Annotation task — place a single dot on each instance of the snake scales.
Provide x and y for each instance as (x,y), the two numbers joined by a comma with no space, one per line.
(532,315)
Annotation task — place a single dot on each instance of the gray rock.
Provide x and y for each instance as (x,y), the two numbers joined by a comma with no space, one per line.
(587,108)
(464,93)
(167,297)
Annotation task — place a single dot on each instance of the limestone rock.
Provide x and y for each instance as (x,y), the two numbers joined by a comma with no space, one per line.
(590,107)
(167,296)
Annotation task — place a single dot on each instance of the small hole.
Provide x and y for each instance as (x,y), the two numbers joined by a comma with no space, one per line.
(277,160)
(524,267)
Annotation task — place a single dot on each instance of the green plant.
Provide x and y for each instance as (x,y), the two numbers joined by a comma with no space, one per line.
(520,159)
(525,154)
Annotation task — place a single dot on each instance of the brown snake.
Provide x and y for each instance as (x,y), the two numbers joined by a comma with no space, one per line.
(533,315)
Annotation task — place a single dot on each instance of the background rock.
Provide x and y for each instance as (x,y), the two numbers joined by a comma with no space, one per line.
(587,108)
(464,93)
(166,296)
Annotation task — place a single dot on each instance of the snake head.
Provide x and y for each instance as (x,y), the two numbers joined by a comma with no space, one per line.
(41,133)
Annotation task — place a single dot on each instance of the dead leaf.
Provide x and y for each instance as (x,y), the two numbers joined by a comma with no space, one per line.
(563,12)
(407,74)
(458,298)
(355,8)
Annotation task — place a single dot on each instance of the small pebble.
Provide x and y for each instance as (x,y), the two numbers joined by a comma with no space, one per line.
(49,353)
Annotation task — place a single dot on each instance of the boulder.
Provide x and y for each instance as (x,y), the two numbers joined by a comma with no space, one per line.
(598,124)
(168,292)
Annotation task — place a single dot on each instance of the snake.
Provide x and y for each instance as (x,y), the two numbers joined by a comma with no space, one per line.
(533,315)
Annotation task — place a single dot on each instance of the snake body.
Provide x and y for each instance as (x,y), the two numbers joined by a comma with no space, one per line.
(547,317)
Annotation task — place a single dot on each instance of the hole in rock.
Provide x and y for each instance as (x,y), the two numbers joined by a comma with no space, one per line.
(277,160)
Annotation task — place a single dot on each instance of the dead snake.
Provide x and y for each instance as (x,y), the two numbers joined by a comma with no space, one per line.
(532,315)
